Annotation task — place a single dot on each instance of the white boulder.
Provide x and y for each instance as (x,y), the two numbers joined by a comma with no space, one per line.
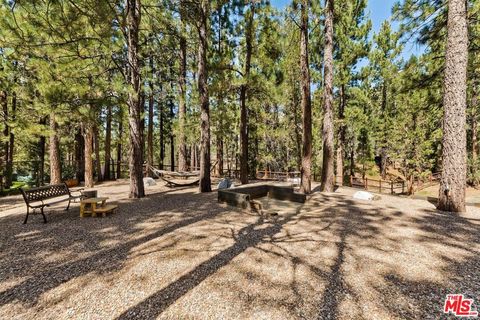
(149,182)
(363,195)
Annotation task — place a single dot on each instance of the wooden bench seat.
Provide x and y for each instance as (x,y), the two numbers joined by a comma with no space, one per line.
(106,209)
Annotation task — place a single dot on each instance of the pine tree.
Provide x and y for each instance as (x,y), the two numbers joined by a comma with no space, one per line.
(328,175)
(306,102)
(454,157)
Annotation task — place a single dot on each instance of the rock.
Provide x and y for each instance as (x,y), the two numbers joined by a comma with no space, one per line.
(225,184)
(364,195)
(149,181)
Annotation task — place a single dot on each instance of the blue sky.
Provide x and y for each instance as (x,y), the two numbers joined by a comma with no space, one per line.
(379,10)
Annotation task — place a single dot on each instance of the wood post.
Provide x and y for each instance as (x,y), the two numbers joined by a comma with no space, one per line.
(391,185)
(380,186)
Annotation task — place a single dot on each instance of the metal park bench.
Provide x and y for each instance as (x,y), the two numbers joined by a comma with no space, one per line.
(35,197)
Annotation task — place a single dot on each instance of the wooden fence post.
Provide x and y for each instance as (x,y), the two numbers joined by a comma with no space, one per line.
(391,185)
(403,186)
(380,186)
(366,183)
(351,181)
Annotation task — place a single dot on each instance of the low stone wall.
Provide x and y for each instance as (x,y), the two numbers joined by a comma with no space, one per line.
(241,196)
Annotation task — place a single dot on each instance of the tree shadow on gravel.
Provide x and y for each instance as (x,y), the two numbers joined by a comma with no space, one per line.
(247,237)
(460,265)
(25,249)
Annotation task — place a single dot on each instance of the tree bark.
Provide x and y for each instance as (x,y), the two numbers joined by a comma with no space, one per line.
(150,123)
(6,149)
(205,183)
(243,96)
(89,182)
(474,123)
(306,184)
(134,101)
(96,143)
(55,167)
(79,155)
(182,106)
(192,158)
(119,143)
(383,148)
(454,153)
(219,156)
(41,168)
(341,136)
(108,145)
(11,144)
(328,183)
(162,140)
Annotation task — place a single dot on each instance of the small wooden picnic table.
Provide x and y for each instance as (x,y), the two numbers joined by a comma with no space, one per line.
(89,206)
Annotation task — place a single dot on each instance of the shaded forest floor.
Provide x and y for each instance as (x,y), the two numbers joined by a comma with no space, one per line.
(179,254)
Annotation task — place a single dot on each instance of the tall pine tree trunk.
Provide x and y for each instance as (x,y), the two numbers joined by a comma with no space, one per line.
(474,123)
(182,105)
(192,158)
(134,101)
(41,156)
(219,155)
(150,124)
(108,144)
(162,140)
(79,155)
(88,129)
(341,136)
(7,170)
(205,183)
(96,143)
(383,148)
(306,103)
(11,144)
(119,143)
(243,96)
(328,181)
(55,167)
(172,136)
(454,153)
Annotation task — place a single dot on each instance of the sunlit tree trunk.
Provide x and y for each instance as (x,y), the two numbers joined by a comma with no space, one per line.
(134,101)
(205,183)
(243,96)
(306,103)
(55,167)
(182,105)
(96,143)
(119,143)
(341,136)
(88,129)
(454,153)
(150,123)
(108,144)
(328,181)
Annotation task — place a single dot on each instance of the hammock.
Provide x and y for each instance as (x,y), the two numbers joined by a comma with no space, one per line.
(161,174)
(181,174)
(172,184)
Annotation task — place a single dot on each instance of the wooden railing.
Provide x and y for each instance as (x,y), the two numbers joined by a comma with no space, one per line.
(276,175)
(380,186)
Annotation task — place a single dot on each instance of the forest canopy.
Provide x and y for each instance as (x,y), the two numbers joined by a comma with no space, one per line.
(93,89)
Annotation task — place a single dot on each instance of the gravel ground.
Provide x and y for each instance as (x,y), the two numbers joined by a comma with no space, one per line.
(178,254)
